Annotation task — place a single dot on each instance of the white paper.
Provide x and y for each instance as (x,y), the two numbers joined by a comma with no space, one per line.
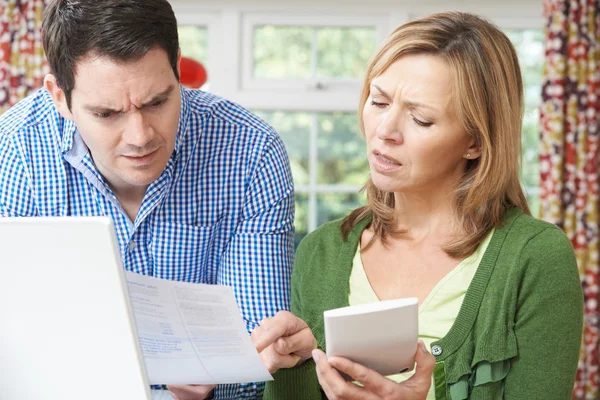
(382,335)
(192,333)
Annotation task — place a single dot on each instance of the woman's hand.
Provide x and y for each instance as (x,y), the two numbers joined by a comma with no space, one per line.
(375,386)
(283,341)
(190,392)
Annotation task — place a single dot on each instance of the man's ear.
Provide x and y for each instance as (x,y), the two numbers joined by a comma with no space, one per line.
(58,96)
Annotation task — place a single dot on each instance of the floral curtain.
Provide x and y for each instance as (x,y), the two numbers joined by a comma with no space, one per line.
(22,62)
(569,154)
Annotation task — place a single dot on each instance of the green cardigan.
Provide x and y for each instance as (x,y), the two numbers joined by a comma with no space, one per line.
(517,334)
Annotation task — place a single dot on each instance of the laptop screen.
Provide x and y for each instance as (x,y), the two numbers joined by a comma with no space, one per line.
(67,325)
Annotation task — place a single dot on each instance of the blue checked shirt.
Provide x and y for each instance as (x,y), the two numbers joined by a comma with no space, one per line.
(221,212)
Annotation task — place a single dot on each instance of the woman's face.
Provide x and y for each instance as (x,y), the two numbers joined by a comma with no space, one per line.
(415,142)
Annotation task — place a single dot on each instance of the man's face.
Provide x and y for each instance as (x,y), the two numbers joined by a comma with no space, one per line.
(127,113)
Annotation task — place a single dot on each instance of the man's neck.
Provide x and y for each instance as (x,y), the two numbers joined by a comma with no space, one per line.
(131,200)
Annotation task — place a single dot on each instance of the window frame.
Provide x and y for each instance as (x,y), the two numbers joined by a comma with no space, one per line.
(302,94)
(303,86)
(207,18)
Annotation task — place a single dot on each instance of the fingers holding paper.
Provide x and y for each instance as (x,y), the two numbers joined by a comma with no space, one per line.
(375,386)
(425,363)
(334,386)
(283,341)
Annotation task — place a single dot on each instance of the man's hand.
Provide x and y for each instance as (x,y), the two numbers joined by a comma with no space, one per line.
(375,386)
(283,341)
(190,392)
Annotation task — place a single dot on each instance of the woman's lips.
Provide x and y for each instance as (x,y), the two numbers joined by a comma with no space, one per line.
(384,163)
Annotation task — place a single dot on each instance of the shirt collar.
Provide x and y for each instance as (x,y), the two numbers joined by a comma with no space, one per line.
(68,133)
(184,118)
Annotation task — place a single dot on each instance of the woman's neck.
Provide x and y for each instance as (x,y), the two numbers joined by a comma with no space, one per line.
(421,215)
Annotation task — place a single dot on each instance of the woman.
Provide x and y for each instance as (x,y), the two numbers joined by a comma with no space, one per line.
(446,222)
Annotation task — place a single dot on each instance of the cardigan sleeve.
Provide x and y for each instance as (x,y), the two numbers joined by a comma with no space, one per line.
(548,322)
(299,383)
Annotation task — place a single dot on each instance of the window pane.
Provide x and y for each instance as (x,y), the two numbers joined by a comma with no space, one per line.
(193,41)
(282,52)
(530,50)
(533,200)
(301,220)
(530,170)
(344,52)
(341,149)
(294,129)
(332,206)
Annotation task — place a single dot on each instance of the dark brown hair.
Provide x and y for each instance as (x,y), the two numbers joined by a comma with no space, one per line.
(123,30)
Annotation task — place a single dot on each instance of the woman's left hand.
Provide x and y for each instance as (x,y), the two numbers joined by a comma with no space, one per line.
(375,385)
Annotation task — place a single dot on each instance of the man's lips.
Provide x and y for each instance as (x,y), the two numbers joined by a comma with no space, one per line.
(140,155)
(142,159)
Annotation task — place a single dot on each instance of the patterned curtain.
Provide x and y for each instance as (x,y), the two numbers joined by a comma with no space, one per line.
(22,61)
(569,154)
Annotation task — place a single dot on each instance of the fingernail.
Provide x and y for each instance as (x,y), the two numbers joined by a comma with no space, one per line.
(316,355)
(423,348)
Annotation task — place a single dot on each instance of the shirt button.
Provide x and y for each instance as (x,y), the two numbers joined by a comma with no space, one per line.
(132,245)
(436,350)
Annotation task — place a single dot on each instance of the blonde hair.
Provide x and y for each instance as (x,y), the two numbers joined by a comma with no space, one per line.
(488,94)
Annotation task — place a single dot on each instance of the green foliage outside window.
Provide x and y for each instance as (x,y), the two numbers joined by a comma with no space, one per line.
(303,52)
(193,42)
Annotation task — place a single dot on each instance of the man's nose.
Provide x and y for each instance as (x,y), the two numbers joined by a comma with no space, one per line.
(138,131)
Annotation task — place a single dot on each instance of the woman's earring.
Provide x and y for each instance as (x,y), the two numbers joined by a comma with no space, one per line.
(468,155)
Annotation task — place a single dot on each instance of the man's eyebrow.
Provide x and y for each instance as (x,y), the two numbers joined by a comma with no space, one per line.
(106,110)
(100,109)
(160,96)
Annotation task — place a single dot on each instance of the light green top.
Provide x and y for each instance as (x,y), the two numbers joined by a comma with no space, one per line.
(439,310)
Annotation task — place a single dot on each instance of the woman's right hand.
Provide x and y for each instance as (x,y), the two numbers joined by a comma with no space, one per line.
(283,341)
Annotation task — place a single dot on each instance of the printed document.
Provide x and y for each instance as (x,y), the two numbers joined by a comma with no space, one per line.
(192,333)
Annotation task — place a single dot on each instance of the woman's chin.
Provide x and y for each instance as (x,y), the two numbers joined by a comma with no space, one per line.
(386,184)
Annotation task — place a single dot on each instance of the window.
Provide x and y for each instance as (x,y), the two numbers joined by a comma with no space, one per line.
(193,42)
(308,54)
(303,52)
(198,32)
(530,50)
(302,72)
(326,149)
(327,156)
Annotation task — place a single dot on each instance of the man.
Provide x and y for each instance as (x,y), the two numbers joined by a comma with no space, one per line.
(198,188)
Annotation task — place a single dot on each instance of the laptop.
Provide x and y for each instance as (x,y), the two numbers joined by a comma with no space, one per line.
(67,329)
